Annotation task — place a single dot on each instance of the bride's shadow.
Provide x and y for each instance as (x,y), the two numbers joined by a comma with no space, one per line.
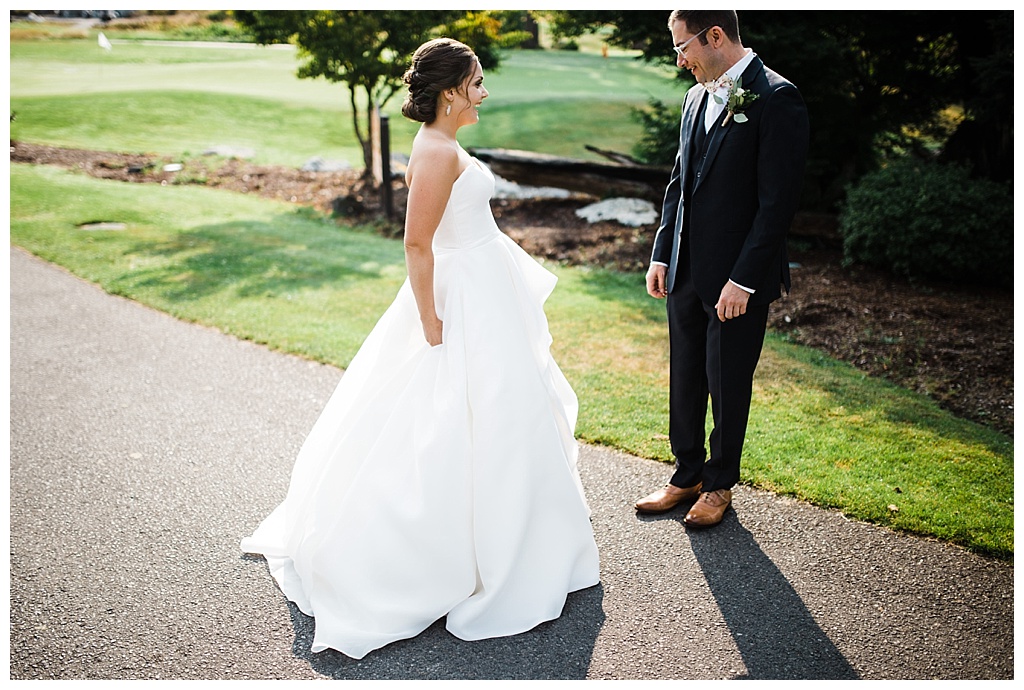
(557,650)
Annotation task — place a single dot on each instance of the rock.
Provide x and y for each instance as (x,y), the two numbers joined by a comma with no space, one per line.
(230,152)
(318,164)
(632,212)
(506,189)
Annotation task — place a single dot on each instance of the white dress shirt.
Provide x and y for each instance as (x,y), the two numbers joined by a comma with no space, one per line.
(714,108)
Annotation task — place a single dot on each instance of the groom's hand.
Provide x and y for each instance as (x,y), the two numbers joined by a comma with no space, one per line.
(732,302)
(656,277)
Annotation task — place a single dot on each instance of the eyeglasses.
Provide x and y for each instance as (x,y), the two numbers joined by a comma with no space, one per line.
(681,50)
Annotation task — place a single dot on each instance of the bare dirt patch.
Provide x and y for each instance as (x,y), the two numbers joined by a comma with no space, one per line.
(951,342)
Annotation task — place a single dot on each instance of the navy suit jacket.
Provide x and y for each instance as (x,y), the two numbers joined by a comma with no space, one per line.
(743,201)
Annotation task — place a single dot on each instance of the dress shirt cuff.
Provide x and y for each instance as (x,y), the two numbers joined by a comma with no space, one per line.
(741,287)
(659,263)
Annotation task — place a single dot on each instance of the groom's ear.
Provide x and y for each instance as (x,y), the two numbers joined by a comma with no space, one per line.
(716,37)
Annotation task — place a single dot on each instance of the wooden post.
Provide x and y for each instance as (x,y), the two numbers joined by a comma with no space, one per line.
(385,165)
(380,143)
(375,144)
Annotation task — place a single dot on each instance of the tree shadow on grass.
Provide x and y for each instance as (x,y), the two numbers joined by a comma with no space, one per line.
(841,382)
(254,259)
(556,650)
(627,289)
(838,380)
(886,445)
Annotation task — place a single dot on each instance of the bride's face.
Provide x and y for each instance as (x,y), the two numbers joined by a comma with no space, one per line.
(470,97)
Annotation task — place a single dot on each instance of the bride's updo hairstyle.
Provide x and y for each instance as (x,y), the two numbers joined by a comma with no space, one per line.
(437,66)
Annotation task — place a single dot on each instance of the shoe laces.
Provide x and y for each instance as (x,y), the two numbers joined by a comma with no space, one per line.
(718,499)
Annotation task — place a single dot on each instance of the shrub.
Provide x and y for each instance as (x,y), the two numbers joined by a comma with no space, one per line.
(660,138)
(923,219)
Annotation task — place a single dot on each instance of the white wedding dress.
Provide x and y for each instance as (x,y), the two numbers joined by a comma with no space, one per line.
(441,481)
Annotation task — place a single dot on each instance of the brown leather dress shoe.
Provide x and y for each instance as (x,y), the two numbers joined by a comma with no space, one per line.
(709,508)
(664,500)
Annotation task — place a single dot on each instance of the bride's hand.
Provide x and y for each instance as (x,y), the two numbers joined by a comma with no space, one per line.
(432,330)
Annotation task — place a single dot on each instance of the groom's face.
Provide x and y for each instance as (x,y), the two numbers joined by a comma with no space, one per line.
(698,57)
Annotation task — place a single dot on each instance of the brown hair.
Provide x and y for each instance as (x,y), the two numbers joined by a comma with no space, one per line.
(698,20)
(437,65)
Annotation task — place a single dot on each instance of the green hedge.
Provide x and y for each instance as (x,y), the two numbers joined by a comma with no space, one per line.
(923,219)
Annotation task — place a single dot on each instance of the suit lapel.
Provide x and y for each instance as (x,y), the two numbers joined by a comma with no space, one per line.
(688,132)
(718,132)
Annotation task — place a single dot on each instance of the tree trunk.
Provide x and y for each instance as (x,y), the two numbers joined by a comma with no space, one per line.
(364,140)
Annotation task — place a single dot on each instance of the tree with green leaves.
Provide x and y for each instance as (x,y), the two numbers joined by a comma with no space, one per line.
(876,84)
(369,50)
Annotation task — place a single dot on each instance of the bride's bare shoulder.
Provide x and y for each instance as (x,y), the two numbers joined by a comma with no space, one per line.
(437,154)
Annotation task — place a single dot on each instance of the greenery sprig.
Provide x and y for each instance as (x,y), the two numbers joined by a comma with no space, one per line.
(738,100)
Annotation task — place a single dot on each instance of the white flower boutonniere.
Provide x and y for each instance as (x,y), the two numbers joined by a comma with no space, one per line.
(737,100)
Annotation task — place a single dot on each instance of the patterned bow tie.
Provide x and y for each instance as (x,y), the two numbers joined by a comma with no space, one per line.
(723,82)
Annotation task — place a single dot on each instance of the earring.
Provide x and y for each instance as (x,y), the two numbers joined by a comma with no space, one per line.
(448,110)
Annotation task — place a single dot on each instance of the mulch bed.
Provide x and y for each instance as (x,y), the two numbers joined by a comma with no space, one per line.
(951,342)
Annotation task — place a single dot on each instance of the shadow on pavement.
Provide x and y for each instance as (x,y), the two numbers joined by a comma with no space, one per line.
(558,650)
(777,636)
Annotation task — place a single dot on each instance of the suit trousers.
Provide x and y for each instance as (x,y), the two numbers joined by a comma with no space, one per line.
(709,357)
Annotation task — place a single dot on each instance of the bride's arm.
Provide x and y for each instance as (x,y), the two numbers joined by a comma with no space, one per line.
(431,177)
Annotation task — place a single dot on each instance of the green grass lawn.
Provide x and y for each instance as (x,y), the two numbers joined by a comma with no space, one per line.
(173,99)
(281,275)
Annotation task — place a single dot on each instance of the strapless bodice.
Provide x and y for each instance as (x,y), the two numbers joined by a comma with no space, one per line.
(467,221)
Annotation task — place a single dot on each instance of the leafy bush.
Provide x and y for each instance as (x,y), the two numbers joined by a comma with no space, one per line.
(922,219)
(225,32)
(660,139)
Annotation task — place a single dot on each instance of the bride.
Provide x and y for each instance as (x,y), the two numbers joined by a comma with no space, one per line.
(440,480)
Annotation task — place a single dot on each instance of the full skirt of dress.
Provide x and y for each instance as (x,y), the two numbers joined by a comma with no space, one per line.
(440,481)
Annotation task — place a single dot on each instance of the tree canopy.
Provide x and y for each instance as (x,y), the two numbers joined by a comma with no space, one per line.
(369,50)
(875,83)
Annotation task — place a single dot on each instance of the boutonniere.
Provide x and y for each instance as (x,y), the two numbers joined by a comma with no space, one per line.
(737,100)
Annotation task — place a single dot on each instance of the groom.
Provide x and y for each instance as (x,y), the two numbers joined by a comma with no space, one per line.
(720,251)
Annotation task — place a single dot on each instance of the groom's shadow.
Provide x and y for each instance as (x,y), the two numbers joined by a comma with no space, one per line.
(777,636)
(557,650)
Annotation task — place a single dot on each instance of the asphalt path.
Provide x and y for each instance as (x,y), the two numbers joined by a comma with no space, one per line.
(143,448)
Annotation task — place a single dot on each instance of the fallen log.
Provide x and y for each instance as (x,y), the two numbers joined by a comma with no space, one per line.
(613,156)
(589,177)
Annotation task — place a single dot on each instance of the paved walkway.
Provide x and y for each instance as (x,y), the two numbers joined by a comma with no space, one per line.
(143,448)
